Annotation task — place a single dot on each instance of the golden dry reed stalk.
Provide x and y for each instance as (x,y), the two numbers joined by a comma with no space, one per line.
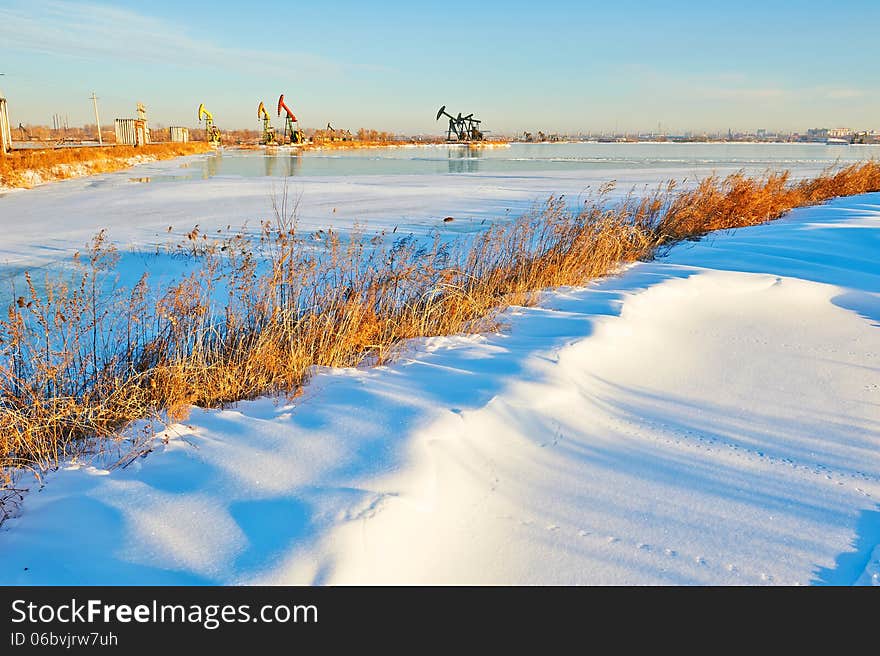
(80,359)
(22,168)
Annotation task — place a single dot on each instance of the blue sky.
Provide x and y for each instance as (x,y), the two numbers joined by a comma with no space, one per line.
(552,65)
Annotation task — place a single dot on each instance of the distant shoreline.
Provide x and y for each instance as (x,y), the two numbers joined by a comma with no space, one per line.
(357,145)
(25,168)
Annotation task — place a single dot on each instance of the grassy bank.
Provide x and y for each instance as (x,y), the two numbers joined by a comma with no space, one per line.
(30,167)
(255,314)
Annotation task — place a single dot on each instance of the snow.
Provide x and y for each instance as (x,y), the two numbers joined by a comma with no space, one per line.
(707,418)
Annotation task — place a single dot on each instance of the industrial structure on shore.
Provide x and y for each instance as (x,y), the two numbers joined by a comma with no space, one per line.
(136,132)
(292,132)
(212,132)
(268,138)
(178,134)
(133,131)
(461,128)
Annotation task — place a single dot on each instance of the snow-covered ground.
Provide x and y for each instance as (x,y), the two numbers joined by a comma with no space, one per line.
(712,417)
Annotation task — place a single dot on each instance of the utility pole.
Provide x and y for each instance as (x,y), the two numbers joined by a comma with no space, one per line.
(5,132)
(97,120)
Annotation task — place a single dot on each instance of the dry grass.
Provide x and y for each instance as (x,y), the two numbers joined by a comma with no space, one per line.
(79,360)
(739,201)
(24,168)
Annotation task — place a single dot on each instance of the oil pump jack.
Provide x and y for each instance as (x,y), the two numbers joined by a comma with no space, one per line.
(461,128)
(212,132)
(291,131)
(268,131)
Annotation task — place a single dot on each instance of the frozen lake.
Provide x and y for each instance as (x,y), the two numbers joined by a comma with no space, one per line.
(411,189)
(518,158)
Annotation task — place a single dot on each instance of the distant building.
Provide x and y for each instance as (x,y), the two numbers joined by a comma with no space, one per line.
(840,133)
(866,137)
(178,134)
(133,131)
